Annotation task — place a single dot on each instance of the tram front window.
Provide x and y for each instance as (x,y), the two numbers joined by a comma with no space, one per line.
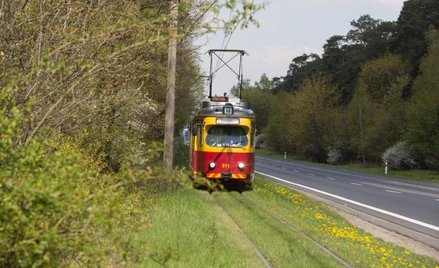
(226,136)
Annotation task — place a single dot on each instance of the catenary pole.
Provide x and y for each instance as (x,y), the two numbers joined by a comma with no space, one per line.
(168,153)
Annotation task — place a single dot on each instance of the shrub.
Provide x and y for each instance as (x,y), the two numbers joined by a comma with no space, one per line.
(400,156)
(260,141)
(56,209)
(334,156)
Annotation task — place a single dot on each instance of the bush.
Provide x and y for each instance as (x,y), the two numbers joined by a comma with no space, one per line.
(56,209)
(400,156)
(260,141)
(334,156)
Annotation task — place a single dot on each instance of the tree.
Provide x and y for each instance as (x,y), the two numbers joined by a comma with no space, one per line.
(265,84)
(278,131)
(363,25)
(100,78)
(302,122)
(377,111)
(423,110)
(168,148)
(415,19)
(300,68)
(261,99)
(312,121)
(378,75)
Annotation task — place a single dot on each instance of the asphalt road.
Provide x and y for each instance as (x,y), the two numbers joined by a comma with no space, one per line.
(409,204)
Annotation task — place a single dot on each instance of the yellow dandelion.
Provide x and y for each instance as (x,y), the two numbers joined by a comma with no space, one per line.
(319,216)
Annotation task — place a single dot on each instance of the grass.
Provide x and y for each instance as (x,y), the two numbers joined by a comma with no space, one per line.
(413,174)
(359,248)
(192,228)
(276,155)
(280,245)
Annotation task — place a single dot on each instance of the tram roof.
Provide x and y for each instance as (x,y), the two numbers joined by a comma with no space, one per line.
(215,108)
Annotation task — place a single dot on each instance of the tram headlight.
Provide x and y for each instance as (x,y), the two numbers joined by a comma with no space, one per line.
(212,165)
(241,165)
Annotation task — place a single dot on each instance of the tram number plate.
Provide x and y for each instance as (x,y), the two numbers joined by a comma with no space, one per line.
(225,165)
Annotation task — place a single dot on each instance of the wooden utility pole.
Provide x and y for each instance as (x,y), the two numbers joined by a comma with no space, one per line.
(168,153)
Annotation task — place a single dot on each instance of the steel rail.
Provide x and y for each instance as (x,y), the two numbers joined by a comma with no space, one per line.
(297,230)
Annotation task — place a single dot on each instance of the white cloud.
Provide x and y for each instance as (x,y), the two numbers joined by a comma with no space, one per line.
(273,59)
(389,2)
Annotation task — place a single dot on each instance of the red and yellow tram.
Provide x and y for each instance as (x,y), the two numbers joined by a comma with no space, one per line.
(222,142)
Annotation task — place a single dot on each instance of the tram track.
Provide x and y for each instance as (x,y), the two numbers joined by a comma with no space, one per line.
(295,229)
(249,240)
(276,224)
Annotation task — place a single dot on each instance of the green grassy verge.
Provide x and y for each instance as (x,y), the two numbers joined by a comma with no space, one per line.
(413,174)
(359,248)
(192,228)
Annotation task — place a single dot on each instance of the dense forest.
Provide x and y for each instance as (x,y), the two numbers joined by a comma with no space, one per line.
(372,96)
(82,106)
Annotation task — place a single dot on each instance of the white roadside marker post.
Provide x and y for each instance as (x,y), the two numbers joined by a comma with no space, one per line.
(385,167)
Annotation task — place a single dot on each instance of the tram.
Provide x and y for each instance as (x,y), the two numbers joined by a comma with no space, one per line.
(222,142)
(222,133)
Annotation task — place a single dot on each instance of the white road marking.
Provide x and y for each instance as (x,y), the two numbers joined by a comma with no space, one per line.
(332,179)
(437,200)
(420,223)
(283,167)
(296,171)
(357,184)
(311,174)
(394,192)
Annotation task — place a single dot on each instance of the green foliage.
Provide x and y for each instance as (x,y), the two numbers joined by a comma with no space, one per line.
(373,68)
(302,122)
(314,107)
(300,68)
(37,197)
(415,19)
(97,70)
(376,114)
(379,75)
(56,209)
(423,110)
(260,99)
(276,132)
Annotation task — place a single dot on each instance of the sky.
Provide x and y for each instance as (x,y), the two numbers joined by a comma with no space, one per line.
(289,28)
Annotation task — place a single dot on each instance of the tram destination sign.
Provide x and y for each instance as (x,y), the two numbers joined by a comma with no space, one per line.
(227,121)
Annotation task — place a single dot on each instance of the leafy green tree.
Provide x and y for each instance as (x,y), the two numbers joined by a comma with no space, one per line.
(265,83)
(278,130)
(377,111)
(423,110)
(360,112)
(303,122)
(415,19)
(361,26)
(300,68)
(313,117)
(378,75)
(100,77)
(260,97)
